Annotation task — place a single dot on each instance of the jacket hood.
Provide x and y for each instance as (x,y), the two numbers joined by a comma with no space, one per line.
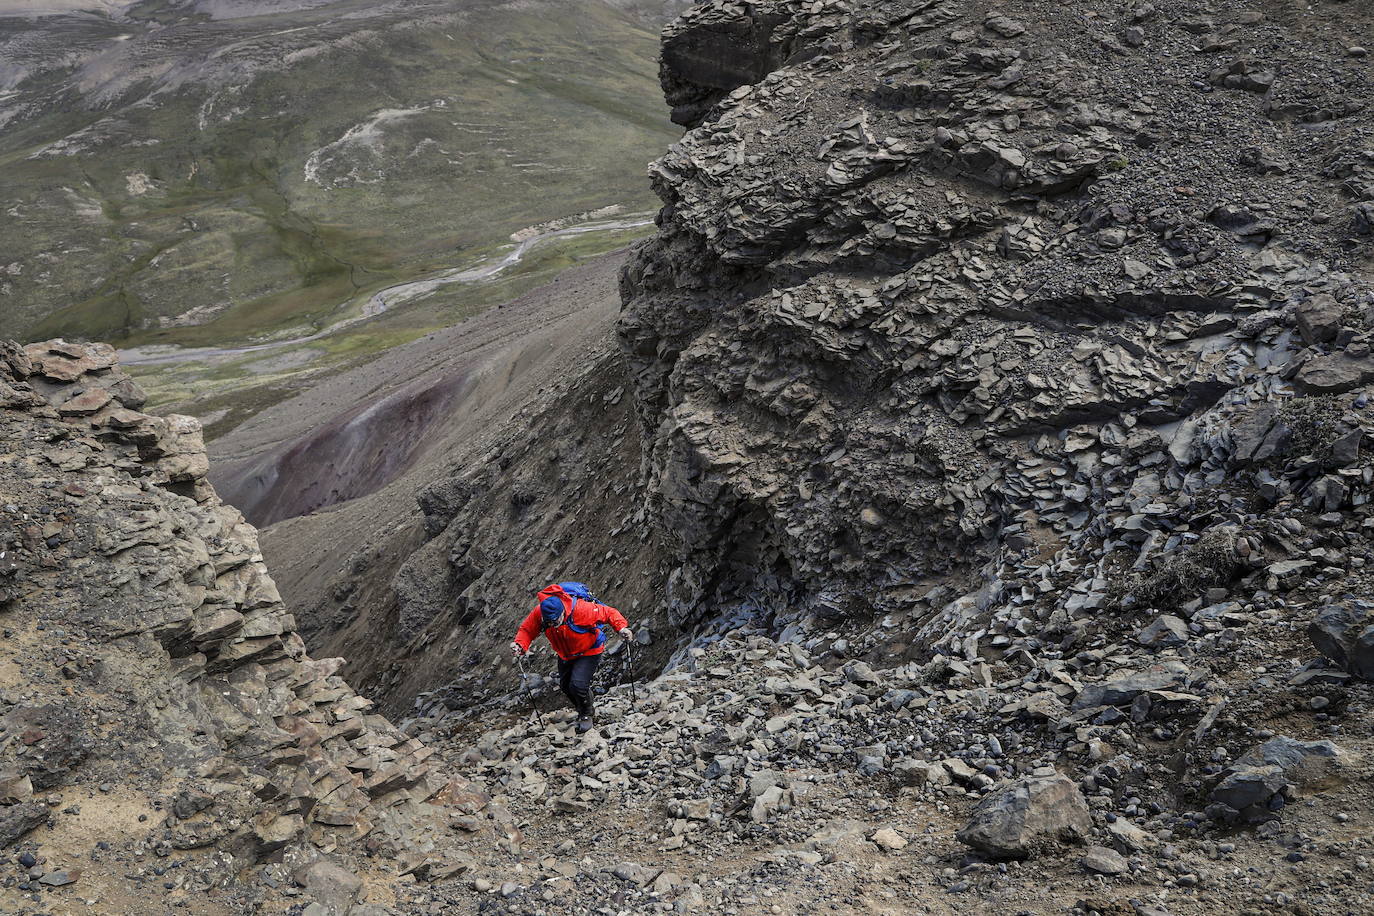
(554,591)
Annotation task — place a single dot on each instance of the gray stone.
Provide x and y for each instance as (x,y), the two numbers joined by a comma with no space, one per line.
(17,820)
(888,840)
(1334,374)
(1016,820)
(330,884)
(1301,761)
(1344,633)
(697,809)
(911,772)
(1319,319)
(861,673)
(1122,689)
(1129,837)
(1166,632)
(1104,861)
(1249,794)
(634,873)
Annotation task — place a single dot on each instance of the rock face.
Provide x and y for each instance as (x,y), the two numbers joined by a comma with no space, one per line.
(159,662)
(942,294)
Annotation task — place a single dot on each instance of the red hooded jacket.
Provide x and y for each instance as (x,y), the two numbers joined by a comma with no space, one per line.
(566,642)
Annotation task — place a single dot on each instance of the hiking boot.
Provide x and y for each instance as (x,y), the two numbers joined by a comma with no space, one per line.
(584,722)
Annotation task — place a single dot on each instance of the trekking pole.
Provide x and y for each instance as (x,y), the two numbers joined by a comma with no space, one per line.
(630,667)
(529,692)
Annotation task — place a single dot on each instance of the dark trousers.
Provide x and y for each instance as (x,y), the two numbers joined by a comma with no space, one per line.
(575,679)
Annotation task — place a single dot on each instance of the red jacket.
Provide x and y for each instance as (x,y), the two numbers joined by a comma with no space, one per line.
(584,615)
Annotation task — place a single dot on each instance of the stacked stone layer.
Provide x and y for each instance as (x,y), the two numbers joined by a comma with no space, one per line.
(138,604)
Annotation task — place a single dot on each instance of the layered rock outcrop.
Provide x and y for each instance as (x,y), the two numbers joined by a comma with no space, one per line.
(150,668)
(1031,300)
(1002,372)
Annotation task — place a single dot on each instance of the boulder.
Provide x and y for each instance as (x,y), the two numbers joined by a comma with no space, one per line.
(861,673)
(15,787)
(271,832)
(17,820)
(1344,633)
(1130,838)
(888,840)
(1248,795)
(1319,319)
(1302,762)
(770,802)
(1334,374)
(1016,820)
(1104,861)
(634,873)
(1122,689)
(334,887)
(911,772)
(1166,632)
(1260,435)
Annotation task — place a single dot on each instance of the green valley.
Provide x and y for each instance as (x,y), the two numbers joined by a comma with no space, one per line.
(213,173)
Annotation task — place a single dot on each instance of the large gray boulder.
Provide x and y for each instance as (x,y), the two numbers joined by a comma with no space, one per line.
(1249,795)
(18,820)
(1303,763)
(1335,373)
(1257,786)
(1319,319)
(1344,633)
(1122,689)
(1026,815)
(336,888)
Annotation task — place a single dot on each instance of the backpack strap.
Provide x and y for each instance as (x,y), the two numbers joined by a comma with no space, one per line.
(600,628)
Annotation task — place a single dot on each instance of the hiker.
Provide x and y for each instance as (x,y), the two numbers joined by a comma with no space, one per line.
(574,624)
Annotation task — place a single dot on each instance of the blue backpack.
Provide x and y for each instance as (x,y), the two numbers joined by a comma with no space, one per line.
(580,591)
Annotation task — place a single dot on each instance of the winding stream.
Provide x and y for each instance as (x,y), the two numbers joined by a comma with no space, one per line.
(383,300)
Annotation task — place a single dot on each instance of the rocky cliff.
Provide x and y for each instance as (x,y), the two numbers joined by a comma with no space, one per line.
(987,448)
(972,326)
(1027,304)
(162,727)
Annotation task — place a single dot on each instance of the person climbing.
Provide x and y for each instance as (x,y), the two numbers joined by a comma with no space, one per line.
(574,623)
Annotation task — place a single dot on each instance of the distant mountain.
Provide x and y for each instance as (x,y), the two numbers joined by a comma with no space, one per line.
(195,172)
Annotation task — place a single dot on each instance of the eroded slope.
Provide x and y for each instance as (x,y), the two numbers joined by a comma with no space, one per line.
(164,727)
(527,472)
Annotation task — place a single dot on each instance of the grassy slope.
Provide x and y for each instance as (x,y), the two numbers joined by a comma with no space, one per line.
(234,389)
(556,115)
